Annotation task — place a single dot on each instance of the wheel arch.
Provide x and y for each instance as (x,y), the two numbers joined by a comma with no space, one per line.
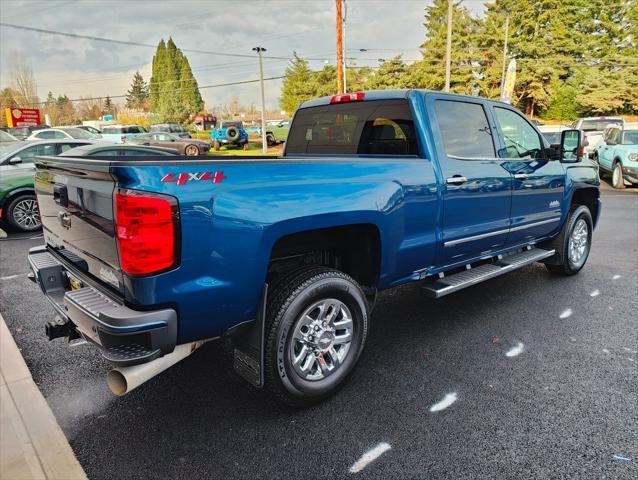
(354,249)
(588,196)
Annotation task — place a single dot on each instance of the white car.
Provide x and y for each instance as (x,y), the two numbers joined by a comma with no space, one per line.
(63,133)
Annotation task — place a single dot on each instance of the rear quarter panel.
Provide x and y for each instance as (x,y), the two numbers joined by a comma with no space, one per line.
(228,229)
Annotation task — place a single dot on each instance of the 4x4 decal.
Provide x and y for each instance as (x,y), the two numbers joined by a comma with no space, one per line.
(182,178)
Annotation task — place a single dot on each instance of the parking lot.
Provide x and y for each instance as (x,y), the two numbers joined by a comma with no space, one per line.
(538,375)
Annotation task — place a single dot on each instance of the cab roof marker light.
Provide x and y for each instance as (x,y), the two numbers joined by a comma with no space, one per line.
(348,97)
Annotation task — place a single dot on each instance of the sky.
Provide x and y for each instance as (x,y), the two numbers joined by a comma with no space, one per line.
(82,67)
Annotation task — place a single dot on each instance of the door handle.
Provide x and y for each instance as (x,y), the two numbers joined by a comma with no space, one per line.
(521,176)
(455,180)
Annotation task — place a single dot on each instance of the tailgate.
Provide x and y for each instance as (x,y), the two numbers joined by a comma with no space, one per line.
(76,207)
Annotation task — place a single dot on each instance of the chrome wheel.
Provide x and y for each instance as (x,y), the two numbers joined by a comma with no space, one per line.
(26,214)
(578,243)
(321,339)
(191,150)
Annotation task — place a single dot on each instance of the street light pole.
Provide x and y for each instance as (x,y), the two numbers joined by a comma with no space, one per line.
(507,25)
(264,147)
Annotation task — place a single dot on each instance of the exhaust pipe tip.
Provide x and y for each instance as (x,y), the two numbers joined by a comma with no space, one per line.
(117,382)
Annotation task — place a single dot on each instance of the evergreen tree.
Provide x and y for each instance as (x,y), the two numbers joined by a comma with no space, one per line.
(393,73)
(107,108)
(174,93)
(430,71)
(298,85)
(137,95)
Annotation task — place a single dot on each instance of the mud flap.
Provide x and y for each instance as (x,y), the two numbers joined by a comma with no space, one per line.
(248,347)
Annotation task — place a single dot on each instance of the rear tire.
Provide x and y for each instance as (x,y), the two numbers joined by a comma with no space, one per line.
(573,243)
(216,146)
(23,213)
(617,180)
(270,139)
(316,328)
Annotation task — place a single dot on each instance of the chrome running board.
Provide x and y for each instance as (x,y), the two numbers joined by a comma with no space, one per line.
(458,281)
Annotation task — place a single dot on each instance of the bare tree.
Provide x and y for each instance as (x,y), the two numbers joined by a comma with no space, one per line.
(23,81)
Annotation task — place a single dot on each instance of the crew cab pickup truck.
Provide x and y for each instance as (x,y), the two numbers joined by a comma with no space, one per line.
(147,258)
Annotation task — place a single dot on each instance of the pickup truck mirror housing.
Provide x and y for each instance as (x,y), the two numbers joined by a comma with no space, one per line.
(570,146)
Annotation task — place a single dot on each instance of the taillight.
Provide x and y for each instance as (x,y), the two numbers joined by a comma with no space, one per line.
(347,97)
(146,231)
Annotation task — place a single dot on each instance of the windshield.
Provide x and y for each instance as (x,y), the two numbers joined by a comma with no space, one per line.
(7,149)
(630,137)
(7,137)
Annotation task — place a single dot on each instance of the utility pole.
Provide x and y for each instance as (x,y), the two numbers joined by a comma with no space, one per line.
(345,50)
(507,26)
(264,146)
(448,45)
(340,83)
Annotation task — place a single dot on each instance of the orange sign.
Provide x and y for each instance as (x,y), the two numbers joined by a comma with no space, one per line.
(21,117)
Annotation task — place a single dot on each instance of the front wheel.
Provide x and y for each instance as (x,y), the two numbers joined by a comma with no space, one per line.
(270,139)
(216,145)
(573,243)
(617,180)
(316,327)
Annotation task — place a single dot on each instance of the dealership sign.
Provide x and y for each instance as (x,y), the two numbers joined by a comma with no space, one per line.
(21,117)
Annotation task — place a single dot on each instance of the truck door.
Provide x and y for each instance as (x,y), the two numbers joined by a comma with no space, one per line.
(476,186)
(538,183)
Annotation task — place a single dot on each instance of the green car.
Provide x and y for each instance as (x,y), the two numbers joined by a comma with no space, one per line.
(277,132)
(618,156)
(18,205)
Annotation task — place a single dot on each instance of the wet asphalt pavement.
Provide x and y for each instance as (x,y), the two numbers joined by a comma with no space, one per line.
(526,393)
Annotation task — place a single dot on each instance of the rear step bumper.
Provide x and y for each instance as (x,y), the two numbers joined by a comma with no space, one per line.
(125,336)
(458,281)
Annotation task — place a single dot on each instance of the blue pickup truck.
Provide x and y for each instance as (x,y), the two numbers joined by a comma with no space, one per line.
(148,258)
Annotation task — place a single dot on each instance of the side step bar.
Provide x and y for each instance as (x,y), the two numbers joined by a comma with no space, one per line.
(458,281)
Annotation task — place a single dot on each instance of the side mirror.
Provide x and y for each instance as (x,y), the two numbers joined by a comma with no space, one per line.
(15,160)
(570,146)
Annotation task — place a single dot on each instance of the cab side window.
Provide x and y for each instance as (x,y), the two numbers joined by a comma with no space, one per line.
(465,130)
(519,137)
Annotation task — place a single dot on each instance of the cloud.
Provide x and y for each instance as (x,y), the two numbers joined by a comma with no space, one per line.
(79,67)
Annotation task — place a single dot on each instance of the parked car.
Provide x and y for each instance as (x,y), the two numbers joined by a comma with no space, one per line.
(7,137)
(118,150)
(121,133)
(594,128)
(277,132)
(284,256)
(229,133)
(60,133)
(18,206)
(21,133)
(185,146)
(174,128)
(618,155)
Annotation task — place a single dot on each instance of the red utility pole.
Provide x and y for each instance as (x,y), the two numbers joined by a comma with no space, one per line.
(339,47)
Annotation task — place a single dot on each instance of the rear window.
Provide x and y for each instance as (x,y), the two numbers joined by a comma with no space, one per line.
(376,127)
(599,124)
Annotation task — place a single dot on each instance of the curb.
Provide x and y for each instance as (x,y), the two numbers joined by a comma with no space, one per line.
(32,444)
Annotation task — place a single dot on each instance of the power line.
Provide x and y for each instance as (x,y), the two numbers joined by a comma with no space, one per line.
(127,42)
(243,82)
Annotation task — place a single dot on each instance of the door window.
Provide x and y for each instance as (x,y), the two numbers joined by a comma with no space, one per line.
(519,137)
(465,130)
(68,146)
(45,134)
(28,153)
